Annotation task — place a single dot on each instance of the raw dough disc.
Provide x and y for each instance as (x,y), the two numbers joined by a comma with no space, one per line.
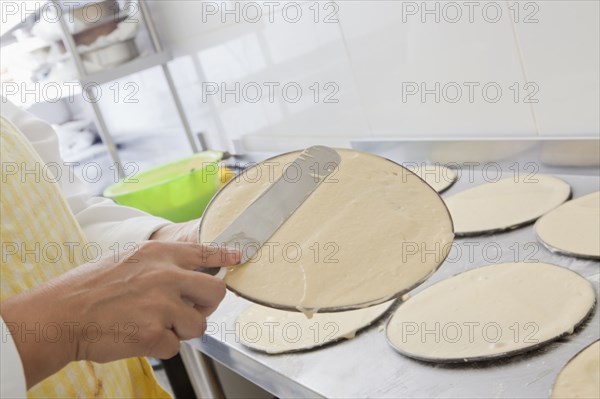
(580,378)
(491,312)
(573,228)
(505,204)
(440,178)
(360,238)
(279,331)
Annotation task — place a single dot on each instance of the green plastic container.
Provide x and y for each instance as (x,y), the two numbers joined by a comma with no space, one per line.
(178,191)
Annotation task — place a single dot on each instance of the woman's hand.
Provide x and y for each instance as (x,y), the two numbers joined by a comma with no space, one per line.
(142,305)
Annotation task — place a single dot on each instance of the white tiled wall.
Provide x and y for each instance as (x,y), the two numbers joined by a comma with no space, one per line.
(561,53)
(439,61)
(376,51)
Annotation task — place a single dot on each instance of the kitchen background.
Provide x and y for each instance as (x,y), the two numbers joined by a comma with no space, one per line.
(276,76)
(271,76)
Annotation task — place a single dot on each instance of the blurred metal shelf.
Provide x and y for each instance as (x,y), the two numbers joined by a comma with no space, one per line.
(136,65)
(160,57)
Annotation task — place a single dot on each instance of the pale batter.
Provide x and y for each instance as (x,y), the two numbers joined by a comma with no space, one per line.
(490,312)
(279,331)
(370,232)
(505,204)
(573,228)
(580,378)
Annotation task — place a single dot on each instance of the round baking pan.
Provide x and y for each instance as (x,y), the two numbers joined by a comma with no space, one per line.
(507,227)
(323,321)
(566,366)
(489,357)
(563,225)
(395,171)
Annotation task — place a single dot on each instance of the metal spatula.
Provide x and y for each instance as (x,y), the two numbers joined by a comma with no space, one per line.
(257,223)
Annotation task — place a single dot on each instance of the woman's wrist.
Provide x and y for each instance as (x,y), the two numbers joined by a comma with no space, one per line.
(45,342)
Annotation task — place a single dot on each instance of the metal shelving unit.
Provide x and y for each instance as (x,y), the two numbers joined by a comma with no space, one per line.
(136,65)
(159,57)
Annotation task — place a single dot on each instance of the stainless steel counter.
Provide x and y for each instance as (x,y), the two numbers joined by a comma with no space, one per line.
(367,366)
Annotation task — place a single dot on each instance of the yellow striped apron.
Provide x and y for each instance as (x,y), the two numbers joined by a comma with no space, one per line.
(35,219)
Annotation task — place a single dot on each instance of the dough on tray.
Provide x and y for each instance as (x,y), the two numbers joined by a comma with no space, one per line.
(573,228)
(280,331)
(505,204)
(491,312)
(580,378)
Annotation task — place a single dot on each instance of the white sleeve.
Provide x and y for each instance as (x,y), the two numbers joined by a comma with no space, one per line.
(12,376)
(102,221)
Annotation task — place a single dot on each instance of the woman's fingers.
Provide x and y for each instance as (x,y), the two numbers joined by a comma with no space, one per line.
(203,290)
(191,256)
(138,304)
(167,345)
(215,256)
(188,323)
